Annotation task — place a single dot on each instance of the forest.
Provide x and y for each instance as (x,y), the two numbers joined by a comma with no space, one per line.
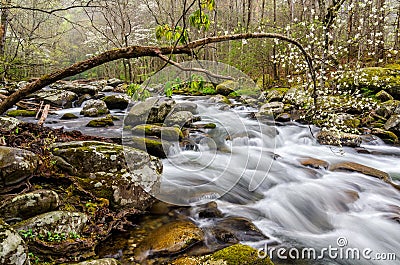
(199,132)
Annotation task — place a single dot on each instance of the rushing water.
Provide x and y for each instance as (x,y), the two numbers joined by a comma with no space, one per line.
(253,170)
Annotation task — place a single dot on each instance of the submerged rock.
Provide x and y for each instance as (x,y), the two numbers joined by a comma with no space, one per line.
(170,239)
(94,108)
(101,122)
(126,176)
(16,165)
(29,204)
(339,138)
(13,250)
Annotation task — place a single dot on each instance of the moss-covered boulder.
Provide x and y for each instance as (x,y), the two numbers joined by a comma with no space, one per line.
(387,136)
(164,133)
(117,101)
(29,204)
(227,87)
(21,113)
(101,122)
(16,165)
(153,110)
(69,116)
(170,239)
(155,147)
(9,123)
(240,255)
(339,138)
(94,108)
(13,250)
(220,99)
(125,176)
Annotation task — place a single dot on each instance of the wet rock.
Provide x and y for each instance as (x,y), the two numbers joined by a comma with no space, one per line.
(169,239)
(21,112)
(186,106)
(82,99)
(153,110)
(386,136)
(314,163)
(383,96)
(154,147)
(13,250)
(339,139)
(54,222)
(59,98)
(106,261)
(101,122)
(220,99)
(69,116)
(180,118)
(102,169)
(249,101)
(117,101)
(94,108)
(114,82)
(227,87)
(268,109)
(239,254)
(165,133)
(283,117)
(9,123)
(107,89)
(16,165)
(237,229)
(209,210)
(355,167)
(393,123)
(29,204)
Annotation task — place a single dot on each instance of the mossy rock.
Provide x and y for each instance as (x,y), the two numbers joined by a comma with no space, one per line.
(116,101)
(220,99)
(339,139)
(154,147)
(240,255)
(101,122)
(165,133)
(21,113)
(69,116)
(383,96)
(387,136)
(227,87)
(277,94)
(13,250)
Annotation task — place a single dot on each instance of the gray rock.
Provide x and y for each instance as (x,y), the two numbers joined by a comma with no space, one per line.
(106,261)
(153,110)
(16,165)
(55,222)
(9,123)
(114,82)
(81,89)
(220,99)
(13,250)
(268,109)
(339,139)
(57,97)
(103,170)
(107,89)
(30,204)
(186,106)
(387,108)
(94,108)
(117,101)
(393,123)
(180,118)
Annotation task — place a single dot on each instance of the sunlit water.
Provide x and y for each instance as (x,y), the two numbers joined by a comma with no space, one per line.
(253,170)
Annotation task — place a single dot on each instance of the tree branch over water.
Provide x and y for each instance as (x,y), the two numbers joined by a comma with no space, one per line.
(142,51)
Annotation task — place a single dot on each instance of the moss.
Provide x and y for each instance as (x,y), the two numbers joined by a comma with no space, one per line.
(239,255)
(210,126)
(69,116)
(352,123)
(23,113)
(248,92)
(102,122)
(166,133)
(154,147)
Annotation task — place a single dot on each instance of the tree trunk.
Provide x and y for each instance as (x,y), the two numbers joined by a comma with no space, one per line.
(141,51)
(3,32)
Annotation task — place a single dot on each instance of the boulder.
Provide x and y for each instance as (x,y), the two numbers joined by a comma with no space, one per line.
(30,204)
(80,89)
(114,82)
(186,106)
(180,118)
(388,108)
(154,147)
(69,116)
(153,110)
(220,99)
(16,165)
(21,113)
(101,122)
(276,94)
(227,87)
(387,136)
(94,108)
(268,109)
(393,124)
(82,99)
(170,239)
(238,254)
(126,176)
(351,166)
(55,97)
(117,101)
(165,133)
(339,138)
(9,123)
(13,250)
(383,96)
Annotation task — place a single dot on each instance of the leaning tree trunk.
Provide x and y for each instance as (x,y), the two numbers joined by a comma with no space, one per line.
(141,51)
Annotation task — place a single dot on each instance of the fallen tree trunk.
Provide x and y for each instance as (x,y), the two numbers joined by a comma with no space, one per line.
(141,51)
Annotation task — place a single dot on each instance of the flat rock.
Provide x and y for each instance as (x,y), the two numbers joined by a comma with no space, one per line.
(351,166)
(13,250)
(314,162)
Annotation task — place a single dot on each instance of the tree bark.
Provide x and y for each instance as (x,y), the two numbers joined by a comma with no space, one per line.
(141,51)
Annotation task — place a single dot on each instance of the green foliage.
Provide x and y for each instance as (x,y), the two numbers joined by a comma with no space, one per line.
(137,92)
(48,236)
(177,33)
(200,20)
